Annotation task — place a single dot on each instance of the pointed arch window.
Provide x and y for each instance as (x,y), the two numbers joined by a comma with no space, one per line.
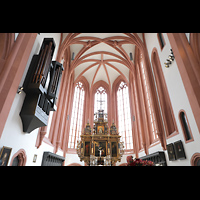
(169,122)
(124,116)
(154,136)
(161,40)
(77,115)
(99,96)
(185,127)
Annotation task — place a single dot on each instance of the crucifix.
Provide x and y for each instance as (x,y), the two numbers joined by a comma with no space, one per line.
(101,102)
(100,149)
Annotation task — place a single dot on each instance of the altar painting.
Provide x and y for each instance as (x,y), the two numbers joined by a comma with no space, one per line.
(87,149)
(100,146)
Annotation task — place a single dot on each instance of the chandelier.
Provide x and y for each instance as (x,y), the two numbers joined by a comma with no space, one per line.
(102,147)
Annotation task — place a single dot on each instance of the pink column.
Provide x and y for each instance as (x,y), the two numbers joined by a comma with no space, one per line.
(189,70)
(12,73)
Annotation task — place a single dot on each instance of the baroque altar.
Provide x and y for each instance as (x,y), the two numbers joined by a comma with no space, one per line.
(102,146)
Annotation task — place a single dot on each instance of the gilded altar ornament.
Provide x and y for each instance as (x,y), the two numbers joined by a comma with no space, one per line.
(102,146)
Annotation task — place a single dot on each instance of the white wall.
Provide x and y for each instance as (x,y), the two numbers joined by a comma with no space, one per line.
(13,135)
(73,158)
(123,159)
(179,100)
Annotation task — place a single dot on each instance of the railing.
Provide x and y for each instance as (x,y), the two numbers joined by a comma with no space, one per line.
(158,158)
(51,159)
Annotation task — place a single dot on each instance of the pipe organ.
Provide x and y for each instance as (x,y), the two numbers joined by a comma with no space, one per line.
(41,86)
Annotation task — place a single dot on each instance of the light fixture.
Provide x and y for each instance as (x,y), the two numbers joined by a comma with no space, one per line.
(19,90)
(170,59)
(166,65)
(169,62)
(73,55)
(131,56)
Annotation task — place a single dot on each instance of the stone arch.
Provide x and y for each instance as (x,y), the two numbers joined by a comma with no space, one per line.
(21,154)
(194,159)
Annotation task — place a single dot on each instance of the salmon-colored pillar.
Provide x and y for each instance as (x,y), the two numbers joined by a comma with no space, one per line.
(12,72)
(189,70)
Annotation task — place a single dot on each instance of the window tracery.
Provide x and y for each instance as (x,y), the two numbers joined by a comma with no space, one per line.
(152,117)
(124,116)
(99,96)
(77,115)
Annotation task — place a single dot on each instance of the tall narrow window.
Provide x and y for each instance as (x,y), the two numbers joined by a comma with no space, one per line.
(155,136)
(169,122)
(161,40)
(124,116)
(185,127)
(100,100)
(76,116)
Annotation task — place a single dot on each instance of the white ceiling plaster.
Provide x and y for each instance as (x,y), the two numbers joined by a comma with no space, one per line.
(101,74)
(90,74)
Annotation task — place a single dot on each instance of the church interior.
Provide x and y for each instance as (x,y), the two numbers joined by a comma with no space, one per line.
(97,99)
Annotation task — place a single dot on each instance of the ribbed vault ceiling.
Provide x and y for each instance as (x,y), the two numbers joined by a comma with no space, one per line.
(101,56)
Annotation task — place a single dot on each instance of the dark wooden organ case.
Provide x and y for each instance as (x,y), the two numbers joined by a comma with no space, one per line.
(41,86)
